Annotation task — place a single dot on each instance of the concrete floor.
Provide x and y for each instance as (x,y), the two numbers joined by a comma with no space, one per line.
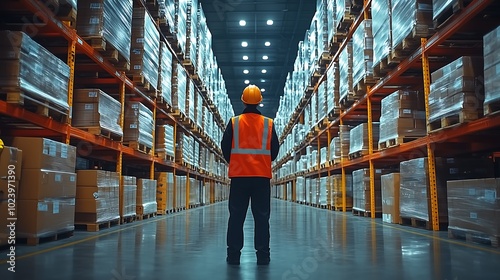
(306,243)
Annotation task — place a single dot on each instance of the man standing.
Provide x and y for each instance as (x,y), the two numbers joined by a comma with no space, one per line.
(249,145)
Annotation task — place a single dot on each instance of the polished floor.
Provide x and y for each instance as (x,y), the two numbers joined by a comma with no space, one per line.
(306,243)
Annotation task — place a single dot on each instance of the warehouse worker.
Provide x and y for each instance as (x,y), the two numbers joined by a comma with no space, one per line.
(249,145)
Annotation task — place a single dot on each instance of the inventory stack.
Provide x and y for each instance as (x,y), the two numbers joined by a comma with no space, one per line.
(146,198)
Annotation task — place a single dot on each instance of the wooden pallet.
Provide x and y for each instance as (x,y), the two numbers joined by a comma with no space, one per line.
(358,154)
(67,14)
(361,87)
(452,120)
(138,147)
(347,100)
(188,64)
(142,83)
(33,104)
(393,142)
(46,237)
(335,113)
(472,236)
(345,22)
(165,156)
(365,213)
(339,208)
(109,52)
(453,8)
(492,107)
(127,219)
(385,65)
(145,216)
(164,212)
(97,130)
(419,223)
(94,227)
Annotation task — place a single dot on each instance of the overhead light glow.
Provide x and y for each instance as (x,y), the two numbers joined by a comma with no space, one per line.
(261,105)
(265,57)
(270,22)
(244,44)
(243,23)
(247,82)
(246,71)
(262,90)
(262,81)
(267,43)
(264,71)
(245,57)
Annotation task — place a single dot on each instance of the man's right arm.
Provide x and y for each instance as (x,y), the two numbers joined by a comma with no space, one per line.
(227,141)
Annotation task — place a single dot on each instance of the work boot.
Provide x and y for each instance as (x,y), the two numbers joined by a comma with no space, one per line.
(233,258)
(263,258)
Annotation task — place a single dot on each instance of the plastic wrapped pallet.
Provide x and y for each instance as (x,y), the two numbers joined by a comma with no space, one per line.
(336,191)
(410,19)
(32,72)
(164,191)
(300,189)
(323,191)
(192,32)
(97,196)
(474,206)
(333,93)
(345,72)
(359,138)
(414,182)
(165,145)
(403,115)
(139,124)
(345,140)
(322,26)
(362,53)
(128,196)
(491,45)
(362,192)
(179,87)
(145,48)
(181,7)
(323,155)
(196,153)
(109,20)
(457,89)
(390,197)
(382,30)
(332,21)
(93,108)
(165,77)
(199,109)
(347,9)
(204,41)
(193,192)
(335,149)
(181,191)
(146,197)
(166,13)
(322,104)
(190,100)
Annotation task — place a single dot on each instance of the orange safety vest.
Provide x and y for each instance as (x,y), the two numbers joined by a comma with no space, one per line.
(251,146)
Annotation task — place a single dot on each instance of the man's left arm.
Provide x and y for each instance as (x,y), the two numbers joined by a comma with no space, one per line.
(275,145)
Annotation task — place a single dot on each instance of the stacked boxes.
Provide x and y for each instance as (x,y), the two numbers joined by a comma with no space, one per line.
(491,69)
(390,198)
(456,90)
(194,192)
(46,196)
(361,190)
(34,72)
(139,124)
(190,100)
(179,87)
(382,30)
(346,72)
(410,19)
(93,108)
(10,174)
(108,20)
(165,75)
(128,194)
(335,154)
(474,206)
(345,140)
(333,93)
(181,9)
(402,115)
(322,105)
(331,19)
(165,191)
(300,189)
(166,14)
(336,191)
(165,146)
(414,182)
(180,197)
(359,141)
(97,197)
(146,197)
(323,191)
(192,32)
(184,152)
(362,53)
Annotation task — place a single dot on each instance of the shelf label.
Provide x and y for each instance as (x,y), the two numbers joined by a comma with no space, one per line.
(72,178)
(134,125)
(137,67)
(490,196)
(92,94)
(89,106)
(472,192)
(42,207)
(72,202)
(55,209)
(94,20)
(79,40)
(473,215)
(64,151)
(95,5)
(58,178)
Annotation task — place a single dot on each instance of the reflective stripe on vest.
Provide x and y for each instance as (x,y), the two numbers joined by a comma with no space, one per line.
(238,150)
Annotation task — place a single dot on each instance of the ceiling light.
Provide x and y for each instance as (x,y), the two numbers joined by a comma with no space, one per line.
(244,44)
(265,57)
(262,81)
(247,82)
(270,22)
(246,71)
(262,90)
(264,71)
(267,43)
(261,105)
(243,23)
(245,57)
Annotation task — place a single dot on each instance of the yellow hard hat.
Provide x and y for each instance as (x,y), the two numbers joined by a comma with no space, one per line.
(251,95)
(1,144)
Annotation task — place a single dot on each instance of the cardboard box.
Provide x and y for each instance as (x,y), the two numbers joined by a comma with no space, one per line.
(146,197)
(390,198)
(128,193)
(39,218)
(41,183)
(99,178)
(96,210)
(42,153)
(10,156)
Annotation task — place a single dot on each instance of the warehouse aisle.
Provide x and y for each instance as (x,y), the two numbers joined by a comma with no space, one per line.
(307,243)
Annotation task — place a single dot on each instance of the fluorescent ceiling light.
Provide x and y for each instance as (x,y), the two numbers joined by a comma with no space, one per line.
(243,23)
(246,71)
(267,43)
(245,57)
(247,82)
(262,81)
(262,90)
(244,44)
(264,71)
(265,57)
(270,22)
(261,105)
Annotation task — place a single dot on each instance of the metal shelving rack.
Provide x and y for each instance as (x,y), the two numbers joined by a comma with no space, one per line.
(107,149)
(367,107)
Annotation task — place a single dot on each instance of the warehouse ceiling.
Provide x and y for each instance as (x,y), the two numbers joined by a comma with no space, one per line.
(290,20)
